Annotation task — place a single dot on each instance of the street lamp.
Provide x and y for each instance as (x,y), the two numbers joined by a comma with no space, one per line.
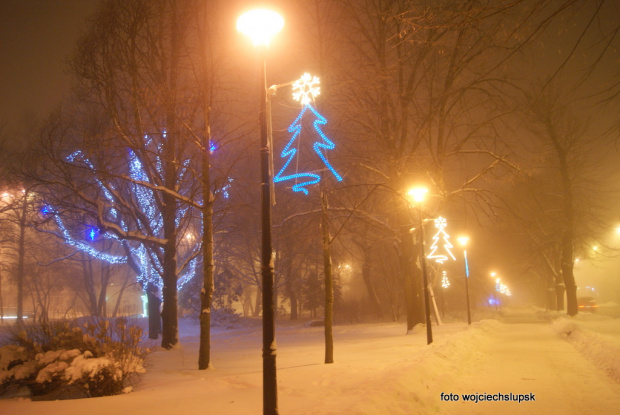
(418,194)
(260,25)
(463,241)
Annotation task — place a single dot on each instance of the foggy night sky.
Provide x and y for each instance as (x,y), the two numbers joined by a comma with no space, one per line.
(36,36)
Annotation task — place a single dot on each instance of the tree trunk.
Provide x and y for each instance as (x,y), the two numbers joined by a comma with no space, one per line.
(102,304)
(206,294)
(89,285)
(153,307)
(329,283)
(169,314)
(568,232)
(366,276)
(572,307)
(21,253)
(120,293)
(406,269)
(258,304)
(559,295)
(170,322)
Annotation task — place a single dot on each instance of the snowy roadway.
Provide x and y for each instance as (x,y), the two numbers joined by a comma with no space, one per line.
(380,370)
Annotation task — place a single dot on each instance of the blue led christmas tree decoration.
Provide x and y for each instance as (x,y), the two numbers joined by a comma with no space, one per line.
(305,89)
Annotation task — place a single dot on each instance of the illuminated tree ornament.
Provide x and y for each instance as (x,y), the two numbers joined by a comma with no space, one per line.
(290,152)
(306,88)
(440,224)
(502,289)
(445,282)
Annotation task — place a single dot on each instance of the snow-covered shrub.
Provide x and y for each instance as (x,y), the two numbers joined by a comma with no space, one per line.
(96,357)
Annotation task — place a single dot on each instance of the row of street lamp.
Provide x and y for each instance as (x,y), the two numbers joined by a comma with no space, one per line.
(260,26)
(417,195)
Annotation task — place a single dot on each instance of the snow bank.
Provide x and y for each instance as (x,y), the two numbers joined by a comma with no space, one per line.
(378,370)
(412,386)
(602,349)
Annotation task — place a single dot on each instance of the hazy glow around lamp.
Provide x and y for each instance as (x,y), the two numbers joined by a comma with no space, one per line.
(418,194)
(260,25)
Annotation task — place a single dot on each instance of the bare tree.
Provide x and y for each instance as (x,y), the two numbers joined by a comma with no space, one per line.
(572,147)
(420,88)
(129,67)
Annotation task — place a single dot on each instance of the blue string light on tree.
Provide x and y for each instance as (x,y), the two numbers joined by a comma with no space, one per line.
(143,198)
(305,90)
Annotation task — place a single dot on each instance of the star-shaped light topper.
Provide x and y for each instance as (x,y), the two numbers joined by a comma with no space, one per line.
(306,88)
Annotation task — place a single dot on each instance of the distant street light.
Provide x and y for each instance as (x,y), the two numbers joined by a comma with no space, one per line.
(463,241)
(417,195)
(260,25)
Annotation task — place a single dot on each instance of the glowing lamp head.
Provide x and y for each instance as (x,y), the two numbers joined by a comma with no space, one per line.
(463,240)
(260,25)
(418,194)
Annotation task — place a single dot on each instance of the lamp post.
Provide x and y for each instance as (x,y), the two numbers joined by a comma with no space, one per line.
(418,194)
(260,25)
(463,241)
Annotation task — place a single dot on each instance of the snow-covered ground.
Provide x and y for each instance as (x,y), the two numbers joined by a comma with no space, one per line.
(569,366)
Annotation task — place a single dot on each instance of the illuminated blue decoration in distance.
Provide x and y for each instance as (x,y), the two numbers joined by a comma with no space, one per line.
(290,152)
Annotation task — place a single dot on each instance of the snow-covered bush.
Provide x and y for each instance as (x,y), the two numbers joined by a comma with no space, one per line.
(97,357)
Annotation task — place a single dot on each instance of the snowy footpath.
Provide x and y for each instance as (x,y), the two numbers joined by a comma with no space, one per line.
(515,365)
